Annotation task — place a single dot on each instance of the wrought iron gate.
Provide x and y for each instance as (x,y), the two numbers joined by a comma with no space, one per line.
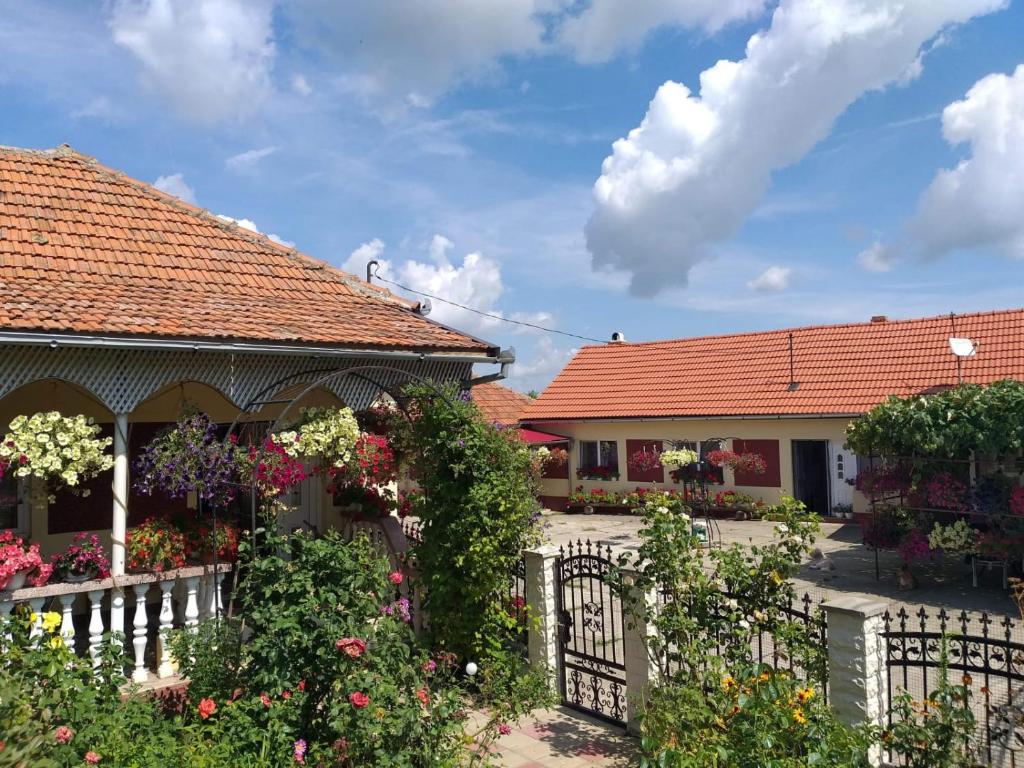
(591,627)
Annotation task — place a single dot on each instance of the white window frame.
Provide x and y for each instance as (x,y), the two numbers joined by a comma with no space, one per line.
(600,456)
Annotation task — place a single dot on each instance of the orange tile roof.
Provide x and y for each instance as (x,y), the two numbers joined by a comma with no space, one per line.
(85,249)
(500,404)
(841,369)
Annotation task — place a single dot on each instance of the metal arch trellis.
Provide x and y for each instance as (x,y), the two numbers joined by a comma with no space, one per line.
(322,376)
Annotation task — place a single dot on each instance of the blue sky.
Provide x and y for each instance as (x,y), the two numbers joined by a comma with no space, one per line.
(588,165)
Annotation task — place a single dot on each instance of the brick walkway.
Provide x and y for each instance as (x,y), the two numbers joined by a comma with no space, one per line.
(562,738)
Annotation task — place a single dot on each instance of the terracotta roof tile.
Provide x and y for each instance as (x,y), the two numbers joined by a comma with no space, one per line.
(86,249)
(500,404)
(841,369)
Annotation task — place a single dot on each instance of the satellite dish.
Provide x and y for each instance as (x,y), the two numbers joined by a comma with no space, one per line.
(424,307)
(962,347)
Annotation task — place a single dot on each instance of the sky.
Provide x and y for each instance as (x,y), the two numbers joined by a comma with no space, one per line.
(660,168)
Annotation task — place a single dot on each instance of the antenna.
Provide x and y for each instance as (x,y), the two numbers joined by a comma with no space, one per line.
(794,385)
(961,347)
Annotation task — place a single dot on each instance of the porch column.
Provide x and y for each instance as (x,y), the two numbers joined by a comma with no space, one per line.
(120,520)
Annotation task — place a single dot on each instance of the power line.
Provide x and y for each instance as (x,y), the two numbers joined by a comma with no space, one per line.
(488,314)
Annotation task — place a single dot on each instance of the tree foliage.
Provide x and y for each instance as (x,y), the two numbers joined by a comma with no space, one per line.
(968,418)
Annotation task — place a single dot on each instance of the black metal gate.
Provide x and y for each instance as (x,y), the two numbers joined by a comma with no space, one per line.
(591,627)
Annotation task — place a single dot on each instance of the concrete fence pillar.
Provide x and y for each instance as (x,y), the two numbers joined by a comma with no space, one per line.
(542,605)
(857,673)
(642,671)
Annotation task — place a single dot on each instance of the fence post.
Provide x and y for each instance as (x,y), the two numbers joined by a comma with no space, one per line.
(857,673)
(542,604)
(642,670)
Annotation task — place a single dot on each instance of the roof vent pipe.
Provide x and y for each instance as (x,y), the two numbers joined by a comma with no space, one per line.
(879,319)
(618,337)
(794,385)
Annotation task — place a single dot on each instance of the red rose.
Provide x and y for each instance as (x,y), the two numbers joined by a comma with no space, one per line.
(302,685)
(395,577)
(207,707)
(286,695)
(359,699)
(265,699)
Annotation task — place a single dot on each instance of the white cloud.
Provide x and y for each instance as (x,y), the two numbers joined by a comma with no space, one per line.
(211,58)
(980,202)
(877,257)
(772,280)
(251,226)
(301,86)
(246,160)
(174,184)
(536,368)
(476,282)
(686,179)
(606,27)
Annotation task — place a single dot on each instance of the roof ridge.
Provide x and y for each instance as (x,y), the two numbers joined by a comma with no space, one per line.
(794,329)
(66,151)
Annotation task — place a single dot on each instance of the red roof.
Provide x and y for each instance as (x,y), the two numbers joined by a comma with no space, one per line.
(841,370)
(85,249)
(500,404)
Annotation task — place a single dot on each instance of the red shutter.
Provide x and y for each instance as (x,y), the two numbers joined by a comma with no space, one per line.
(769,451)
(656,475)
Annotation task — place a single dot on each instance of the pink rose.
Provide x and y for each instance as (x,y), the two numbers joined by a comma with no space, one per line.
(395,577)
(504,729)
(207,707)
(359,700)
(91,757)
(63,735)
(352,647)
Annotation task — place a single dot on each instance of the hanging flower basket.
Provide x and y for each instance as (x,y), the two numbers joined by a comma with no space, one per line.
(63,451)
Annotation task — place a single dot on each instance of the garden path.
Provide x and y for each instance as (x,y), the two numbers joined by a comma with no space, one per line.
(562,738)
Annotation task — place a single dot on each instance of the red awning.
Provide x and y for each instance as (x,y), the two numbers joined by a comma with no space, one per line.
(536,437)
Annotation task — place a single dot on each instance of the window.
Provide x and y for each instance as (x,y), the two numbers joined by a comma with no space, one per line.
(713,475)
(13,509)
(599,460)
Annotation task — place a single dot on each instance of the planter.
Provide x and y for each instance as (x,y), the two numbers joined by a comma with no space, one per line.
(17,581)
(78,578)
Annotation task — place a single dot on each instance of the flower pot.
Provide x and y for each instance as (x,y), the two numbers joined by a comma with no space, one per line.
(78,578)
(588,510)
(17,581)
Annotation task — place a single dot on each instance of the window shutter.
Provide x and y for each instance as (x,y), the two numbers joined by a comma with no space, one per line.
(656,475)
(769,451)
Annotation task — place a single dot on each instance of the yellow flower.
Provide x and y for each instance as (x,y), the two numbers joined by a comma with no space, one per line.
(776,579)
(51,621)
(798,716)
(728,682)
(805,694)
(56,642)
(764,677)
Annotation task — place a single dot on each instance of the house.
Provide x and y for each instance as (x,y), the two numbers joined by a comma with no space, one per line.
(787,395)
(127,305)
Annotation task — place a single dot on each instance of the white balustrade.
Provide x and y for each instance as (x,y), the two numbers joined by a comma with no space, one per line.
(166,663)
(181,601)
(67,622)
(191,602)
(140,675)
(95,625)
(37,603)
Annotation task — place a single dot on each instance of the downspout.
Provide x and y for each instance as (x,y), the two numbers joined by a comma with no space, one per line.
(505,358)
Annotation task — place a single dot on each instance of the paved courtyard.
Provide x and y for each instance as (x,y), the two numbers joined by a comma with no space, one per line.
(942,583)
(563,738)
